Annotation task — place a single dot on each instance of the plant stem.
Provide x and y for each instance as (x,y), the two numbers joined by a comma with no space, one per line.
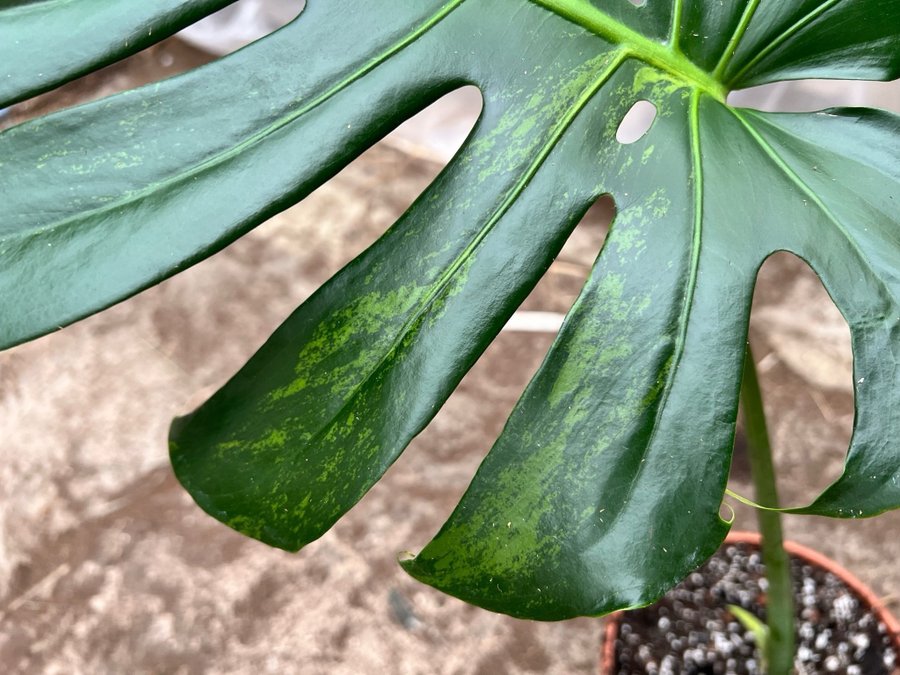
(780,604)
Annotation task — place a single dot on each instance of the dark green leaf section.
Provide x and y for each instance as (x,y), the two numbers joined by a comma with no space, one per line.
(324,408)
(834,180)
(825,186)
(848,39)
(604,488)
(44,44)
(609,473)
(708,31)
(104,200)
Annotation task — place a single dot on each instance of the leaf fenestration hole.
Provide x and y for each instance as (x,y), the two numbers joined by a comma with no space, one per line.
(233,27)
(474,415)
(439,131)
(638,3)
(805,363)
(636,123)
(409,159)
(544,310)
(812,95)
(580,251)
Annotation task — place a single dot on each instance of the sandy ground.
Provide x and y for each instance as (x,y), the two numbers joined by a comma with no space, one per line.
(106,566)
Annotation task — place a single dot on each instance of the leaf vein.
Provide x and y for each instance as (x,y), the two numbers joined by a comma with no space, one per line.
(784,36)
(794,178)
(690,287)
(740,31)
(447,276)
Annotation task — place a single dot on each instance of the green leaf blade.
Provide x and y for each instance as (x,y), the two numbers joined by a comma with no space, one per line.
(122,180)
(362,366)
(40,50)
(854,244)
(604,488)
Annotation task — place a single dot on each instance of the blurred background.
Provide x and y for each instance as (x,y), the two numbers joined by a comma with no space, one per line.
(106,566)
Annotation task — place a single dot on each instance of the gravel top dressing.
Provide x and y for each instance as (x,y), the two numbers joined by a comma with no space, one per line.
(691,630)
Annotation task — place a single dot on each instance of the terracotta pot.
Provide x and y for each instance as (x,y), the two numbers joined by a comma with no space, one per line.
(611,632)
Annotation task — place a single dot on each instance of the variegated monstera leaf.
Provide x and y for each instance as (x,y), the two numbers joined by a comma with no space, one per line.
(604,488)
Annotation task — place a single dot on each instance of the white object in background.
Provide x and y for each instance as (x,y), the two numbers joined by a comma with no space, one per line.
(535,322)
(811,95)
(240,24)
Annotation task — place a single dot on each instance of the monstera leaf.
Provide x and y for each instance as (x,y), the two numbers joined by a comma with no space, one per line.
(604,488)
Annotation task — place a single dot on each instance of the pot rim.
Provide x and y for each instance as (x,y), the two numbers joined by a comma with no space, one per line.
(805,553)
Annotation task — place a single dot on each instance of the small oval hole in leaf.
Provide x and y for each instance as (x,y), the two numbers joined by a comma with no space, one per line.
(636,123)
(638,3)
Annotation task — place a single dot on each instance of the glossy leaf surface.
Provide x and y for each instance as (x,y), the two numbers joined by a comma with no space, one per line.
(41,46)
(604,488)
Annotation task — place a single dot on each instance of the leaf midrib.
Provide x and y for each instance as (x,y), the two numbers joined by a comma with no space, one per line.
(687,305)
(665,57)
(616,59)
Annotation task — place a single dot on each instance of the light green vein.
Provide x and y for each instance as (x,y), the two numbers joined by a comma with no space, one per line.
(696,240)
(265,132)
(661,56)
(687,306)
(783,37)
(690,286)
(740,31)
(677,16)
(512,195)
(799,183)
